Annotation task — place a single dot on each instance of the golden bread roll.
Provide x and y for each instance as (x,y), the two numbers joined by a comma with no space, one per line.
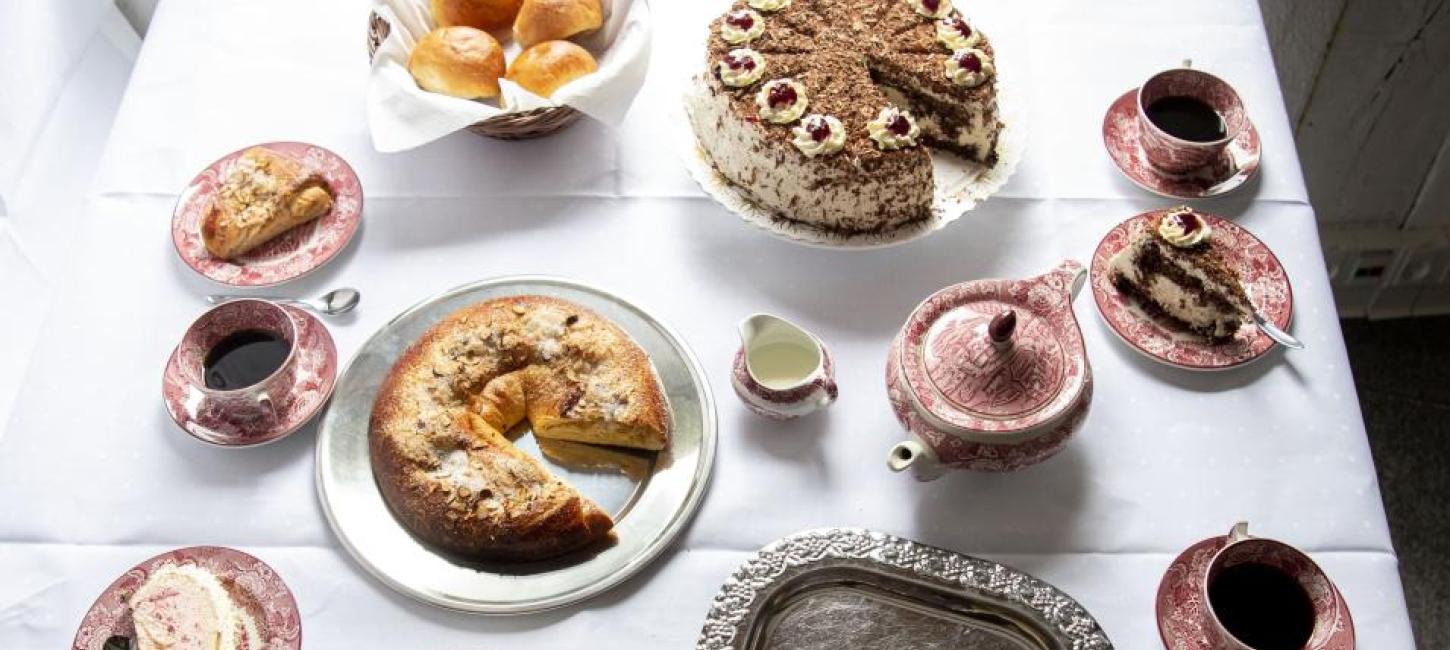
(459,61)
(488,15)
(263,195)
(550,20)
(542,68)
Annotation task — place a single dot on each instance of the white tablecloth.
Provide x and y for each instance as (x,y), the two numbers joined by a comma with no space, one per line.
(71,59)
(94,477)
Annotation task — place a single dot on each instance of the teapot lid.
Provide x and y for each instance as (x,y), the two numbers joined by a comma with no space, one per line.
(997,356)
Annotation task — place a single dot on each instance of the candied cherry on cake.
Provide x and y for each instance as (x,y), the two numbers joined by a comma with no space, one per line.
(932,6)
(781,94)
(1190,222)
(819,129)
(899,125)
(970,61)
(959,24)
(737,62)
(740,19)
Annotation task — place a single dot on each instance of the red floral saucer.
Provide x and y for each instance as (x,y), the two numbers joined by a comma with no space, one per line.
(1263,278)
(1182,614)
(296,252)
(206,419)
(251,583)
(1238,163)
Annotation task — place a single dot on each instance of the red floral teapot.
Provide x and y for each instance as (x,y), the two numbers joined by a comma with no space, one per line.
(990,375)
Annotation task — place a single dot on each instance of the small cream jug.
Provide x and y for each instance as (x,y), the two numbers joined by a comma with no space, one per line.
(782,371)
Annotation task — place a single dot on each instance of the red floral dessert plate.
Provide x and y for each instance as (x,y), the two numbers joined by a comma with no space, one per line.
(291,255)
(1182,614)
(1263,278)
(252,584)
(1238,163)
(212,418)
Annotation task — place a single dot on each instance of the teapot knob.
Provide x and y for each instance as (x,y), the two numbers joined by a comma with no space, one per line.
(1002,327)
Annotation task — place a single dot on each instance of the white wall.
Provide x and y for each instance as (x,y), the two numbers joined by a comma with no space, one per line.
(1368,87)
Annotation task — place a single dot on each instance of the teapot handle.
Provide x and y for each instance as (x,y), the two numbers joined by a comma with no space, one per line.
(1075,274)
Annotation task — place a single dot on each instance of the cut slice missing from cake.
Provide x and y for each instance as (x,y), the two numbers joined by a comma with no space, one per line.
(1175,269)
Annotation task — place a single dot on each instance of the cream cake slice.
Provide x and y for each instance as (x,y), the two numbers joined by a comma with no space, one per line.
(1174,268)
(186,608)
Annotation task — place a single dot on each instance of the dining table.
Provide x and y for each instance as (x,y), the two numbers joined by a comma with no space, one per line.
(95,477)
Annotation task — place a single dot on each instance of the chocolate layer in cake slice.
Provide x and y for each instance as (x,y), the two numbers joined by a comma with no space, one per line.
(1183,276)
(962,121)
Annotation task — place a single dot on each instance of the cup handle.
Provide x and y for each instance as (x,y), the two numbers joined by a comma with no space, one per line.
(1239,532)
(828,393)
(265,400)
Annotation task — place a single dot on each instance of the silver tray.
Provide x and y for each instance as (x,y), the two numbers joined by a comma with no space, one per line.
(838,588)
(649,510)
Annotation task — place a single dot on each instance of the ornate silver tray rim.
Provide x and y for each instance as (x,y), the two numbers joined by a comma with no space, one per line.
(744,596)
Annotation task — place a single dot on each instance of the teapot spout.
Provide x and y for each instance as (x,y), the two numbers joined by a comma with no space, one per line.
(917,457)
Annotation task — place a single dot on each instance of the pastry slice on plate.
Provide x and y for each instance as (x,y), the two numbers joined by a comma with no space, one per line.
(263,195)
(1175,268)
(185,607)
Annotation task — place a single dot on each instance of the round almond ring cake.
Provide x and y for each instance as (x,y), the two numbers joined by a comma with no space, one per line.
(532,495)
(824,121)
(438,431)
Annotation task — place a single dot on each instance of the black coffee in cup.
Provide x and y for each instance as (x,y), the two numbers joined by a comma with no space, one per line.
(1262,606)
(244,358)
(1187,118)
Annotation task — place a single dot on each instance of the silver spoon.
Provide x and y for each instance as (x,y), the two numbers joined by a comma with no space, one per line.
(1272,331)
(332,303)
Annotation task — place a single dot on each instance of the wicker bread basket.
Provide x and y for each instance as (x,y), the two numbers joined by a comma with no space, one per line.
(522,125)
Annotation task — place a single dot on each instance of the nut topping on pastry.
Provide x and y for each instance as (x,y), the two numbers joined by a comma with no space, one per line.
(263,195)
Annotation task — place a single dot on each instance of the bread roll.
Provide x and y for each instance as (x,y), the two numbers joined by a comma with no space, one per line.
(542,68)
(487,15)
(459,61)
(549,20)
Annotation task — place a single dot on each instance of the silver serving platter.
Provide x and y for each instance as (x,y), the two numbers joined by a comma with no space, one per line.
(649,510)
(837,588)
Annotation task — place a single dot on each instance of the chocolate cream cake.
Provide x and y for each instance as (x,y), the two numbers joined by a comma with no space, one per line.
(1174,268)
(822,110)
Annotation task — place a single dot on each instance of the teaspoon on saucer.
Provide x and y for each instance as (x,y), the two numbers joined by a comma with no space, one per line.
(332,303)
(1279,336)
(1273,331)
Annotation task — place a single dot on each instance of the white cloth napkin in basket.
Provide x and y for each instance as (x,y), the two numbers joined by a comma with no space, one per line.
(402,116)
